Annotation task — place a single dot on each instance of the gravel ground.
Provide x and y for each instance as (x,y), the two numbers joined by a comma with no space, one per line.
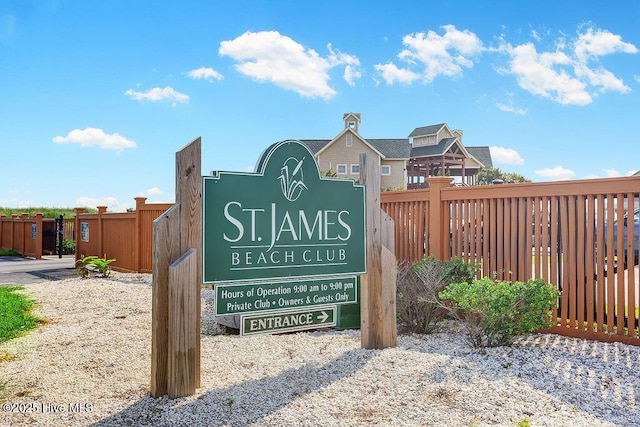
(89,364)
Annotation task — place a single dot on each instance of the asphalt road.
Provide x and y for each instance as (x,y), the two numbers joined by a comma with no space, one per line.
(16,271)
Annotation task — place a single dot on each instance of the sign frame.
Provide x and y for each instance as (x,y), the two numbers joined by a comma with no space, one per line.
(341,235)
(290,312)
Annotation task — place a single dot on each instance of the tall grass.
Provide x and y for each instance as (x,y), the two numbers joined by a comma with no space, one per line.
(46,212)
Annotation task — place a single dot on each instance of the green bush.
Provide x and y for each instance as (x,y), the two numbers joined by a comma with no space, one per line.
(494,312)
(418,307)
(68,247)
(86,264)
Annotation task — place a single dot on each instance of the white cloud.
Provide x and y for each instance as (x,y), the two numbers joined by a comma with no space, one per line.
(611,173)
(268,56)
(90,137)
(153,191)
(507,156)
(570,75)
(636,77)
(158,94)
(539,74)
(536,35)
(511,109)
(557,173)
(434,55)
(392,74)
(206,73)
(594,43)
(110,202)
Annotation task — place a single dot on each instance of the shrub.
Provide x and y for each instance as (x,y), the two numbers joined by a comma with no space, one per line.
(68,247)
(86,264)
(494,312)
(419,309)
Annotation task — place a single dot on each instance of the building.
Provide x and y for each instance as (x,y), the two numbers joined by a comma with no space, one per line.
(404,162)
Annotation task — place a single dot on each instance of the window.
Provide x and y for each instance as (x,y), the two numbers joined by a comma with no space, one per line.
(352,125)
(355,169)
(349,139)
(341,169)
(385,170)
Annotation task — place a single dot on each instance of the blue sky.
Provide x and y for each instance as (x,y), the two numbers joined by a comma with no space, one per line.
(96,97)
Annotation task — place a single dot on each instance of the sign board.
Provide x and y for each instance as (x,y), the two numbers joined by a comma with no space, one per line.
(282,222)
(34,231)
(254,298)
(288,321)
(84,231)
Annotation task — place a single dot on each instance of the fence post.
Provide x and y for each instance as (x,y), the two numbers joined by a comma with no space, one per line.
(14,218)
(38,248)
(24,218)
(101,210)
(177,282)
(437,230)
(378,327)
(76,231)
(140,202)
(2,218)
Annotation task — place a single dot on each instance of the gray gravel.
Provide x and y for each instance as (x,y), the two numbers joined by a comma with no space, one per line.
(95,350)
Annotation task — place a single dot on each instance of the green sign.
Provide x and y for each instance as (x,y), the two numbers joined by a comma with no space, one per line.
(236,299)
(287,321)
(282,222)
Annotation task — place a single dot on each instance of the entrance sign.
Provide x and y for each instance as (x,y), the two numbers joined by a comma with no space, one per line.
(282,222)
(237,299)
(288,321)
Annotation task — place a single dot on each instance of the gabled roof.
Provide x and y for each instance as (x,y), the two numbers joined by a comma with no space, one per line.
(435,150)
(426,130)
(315,145)
(482,155)
(392,148)
(388,148)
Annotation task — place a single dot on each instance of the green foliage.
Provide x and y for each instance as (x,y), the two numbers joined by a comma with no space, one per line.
(87,264)
(68,247)
(397,188)
(524,423)
(46,212)
(15,312)
(488,175)
(8,252)
(494,312)
(418,307)
(328,174)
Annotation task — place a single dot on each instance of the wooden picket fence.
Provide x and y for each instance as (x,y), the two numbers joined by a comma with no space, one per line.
(565,232)
(126,237)
(25,235)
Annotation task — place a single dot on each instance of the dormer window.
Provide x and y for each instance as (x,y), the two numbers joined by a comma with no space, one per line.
(349,139)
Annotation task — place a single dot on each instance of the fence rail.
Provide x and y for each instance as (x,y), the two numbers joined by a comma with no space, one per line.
(578,235)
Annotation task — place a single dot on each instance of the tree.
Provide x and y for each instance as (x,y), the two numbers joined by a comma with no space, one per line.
(488,175)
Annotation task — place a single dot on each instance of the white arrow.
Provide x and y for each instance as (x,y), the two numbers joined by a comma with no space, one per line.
(324,317)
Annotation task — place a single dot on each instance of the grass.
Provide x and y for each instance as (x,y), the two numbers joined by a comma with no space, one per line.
(15,312)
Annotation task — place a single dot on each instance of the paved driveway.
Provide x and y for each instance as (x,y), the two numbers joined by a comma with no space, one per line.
(15,271)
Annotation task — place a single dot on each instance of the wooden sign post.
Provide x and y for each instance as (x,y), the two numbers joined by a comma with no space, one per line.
(177,278)
(378,286)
